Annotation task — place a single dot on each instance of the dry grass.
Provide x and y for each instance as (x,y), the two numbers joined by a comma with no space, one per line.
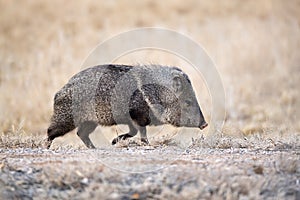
(255,47)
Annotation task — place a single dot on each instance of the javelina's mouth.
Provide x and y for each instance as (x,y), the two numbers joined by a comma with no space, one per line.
(203,125)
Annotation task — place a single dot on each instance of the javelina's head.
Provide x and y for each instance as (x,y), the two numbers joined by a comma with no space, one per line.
(190,112)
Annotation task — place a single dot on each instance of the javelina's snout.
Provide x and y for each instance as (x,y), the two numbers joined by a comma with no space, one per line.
(203,125)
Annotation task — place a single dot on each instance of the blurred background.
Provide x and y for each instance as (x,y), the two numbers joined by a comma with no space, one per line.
(254,44)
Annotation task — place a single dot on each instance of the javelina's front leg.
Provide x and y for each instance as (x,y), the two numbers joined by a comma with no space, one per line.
(143,132)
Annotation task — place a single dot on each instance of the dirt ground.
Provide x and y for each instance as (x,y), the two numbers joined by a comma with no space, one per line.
(146,172)
(255,155)
(219,167)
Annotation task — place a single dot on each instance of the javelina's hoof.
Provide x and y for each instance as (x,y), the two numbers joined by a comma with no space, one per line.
(47,144)
(145,141)
(121,137)
(115,141)
(91,146)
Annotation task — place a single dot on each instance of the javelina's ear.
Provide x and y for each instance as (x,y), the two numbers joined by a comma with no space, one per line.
(177,84)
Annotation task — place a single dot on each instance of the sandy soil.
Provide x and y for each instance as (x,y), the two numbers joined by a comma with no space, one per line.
(152,173)
(209,168)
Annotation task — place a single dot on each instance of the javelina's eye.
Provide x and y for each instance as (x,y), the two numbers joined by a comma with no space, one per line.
(188,102)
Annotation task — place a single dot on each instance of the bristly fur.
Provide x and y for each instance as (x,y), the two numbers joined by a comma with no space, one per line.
(121,94)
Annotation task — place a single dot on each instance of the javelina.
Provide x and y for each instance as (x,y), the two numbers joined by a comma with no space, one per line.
(119,94)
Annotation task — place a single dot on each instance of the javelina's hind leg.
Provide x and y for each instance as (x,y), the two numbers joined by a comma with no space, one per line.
(84,131)
(48,143)
(55,131)
(132,132)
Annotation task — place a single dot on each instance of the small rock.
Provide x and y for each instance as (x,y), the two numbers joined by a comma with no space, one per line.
(258,169)
(85,181)
(135,196)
